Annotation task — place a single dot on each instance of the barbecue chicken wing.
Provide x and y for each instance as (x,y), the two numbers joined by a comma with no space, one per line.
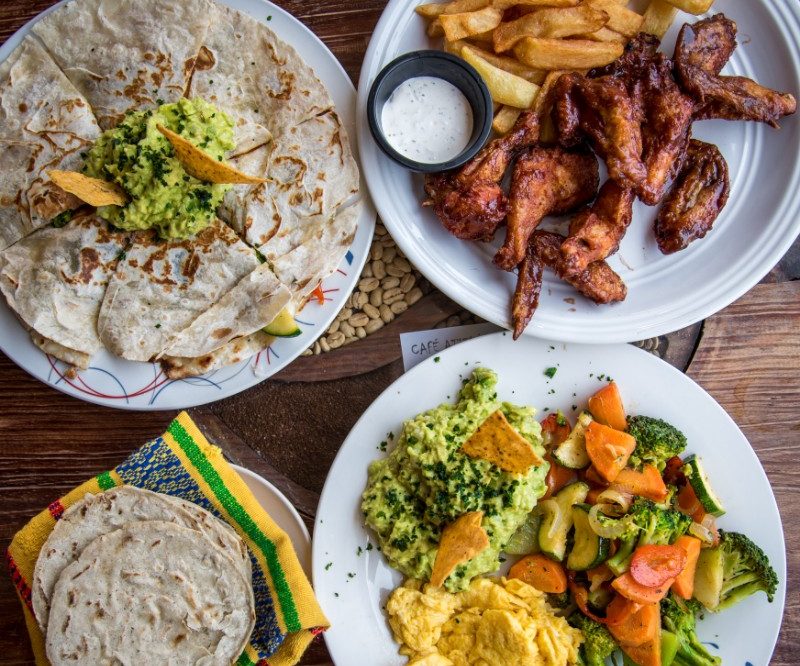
(545,181)
(665,112)
(595,233)
(526,294)
(700,53)
(696,199)
(470,201)
(602,111)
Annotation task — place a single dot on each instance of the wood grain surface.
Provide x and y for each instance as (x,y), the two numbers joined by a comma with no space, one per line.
(289,431)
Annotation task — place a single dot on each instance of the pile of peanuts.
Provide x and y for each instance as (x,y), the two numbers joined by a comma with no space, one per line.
(388,286)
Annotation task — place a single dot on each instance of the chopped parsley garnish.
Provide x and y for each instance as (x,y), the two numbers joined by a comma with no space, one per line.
(551,372)
(328,566)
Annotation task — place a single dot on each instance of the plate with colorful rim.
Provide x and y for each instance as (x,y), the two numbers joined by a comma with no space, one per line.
(353,581)
(115,382)
(665,292)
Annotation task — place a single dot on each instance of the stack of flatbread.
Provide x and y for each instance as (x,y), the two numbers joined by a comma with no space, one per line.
(133,576)
(193,304)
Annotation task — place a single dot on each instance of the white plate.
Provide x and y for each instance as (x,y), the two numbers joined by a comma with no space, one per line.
(745,633)
(665,293)
(280,509)
(115,382)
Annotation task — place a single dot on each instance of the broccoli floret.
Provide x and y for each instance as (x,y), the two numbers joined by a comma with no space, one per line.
(652,524)
(598,643)
(746,570)
(679,617)
(656,441)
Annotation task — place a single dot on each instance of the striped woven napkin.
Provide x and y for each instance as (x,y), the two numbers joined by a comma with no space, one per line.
(182,463)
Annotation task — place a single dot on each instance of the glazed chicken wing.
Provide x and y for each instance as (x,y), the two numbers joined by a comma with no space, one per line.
(545,181)
(470,202)
(595,233)
(602,111)
(706,44)
(526,295)
(696,199)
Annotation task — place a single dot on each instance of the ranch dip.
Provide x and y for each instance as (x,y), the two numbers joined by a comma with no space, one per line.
(427,119)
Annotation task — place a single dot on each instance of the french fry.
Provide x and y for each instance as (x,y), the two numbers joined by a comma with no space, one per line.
(693,6)
(553,23)
(505,118)
(621,19)
(505,88)
(434,9)
(566,53)
(658,17)
(604,35)
(505,4)
(431,10)
(484,38)
(509,64)
(454,47)
(466,24)
(435,29)
(540,105)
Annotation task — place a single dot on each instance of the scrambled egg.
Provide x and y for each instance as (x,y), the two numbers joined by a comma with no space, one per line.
(494,622)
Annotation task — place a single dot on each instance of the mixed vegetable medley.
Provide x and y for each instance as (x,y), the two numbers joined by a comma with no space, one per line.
(625,540)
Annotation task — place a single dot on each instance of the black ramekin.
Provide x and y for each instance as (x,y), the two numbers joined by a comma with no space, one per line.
(443,66)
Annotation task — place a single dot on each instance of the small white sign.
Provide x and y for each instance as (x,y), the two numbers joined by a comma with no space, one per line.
(419,345)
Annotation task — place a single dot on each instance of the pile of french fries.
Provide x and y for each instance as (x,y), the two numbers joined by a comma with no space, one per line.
(521,59)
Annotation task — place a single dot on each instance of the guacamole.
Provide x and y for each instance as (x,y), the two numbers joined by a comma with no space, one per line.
(136,156)
(426,482)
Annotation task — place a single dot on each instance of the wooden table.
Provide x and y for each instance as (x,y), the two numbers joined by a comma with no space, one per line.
(746,357)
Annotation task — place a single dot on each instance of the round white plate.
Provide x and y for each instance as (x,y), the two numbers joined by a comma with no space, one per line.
(665,293)
(280,509)
(354,588)
(115,382)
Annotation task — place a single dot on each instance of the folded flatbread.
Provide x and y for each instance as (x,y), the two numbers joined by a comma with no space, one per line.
(55,280)
(235,351)
(161,287)
(124,54)
(44,124)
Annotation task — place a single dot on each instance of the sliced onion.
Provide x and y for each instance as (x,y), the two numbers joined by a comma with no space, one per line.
(702,532)
(612,531)
(616,502)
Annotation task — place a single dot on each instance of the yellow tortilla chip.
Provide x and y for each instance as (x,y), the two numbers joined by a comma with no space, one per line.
(93,191)
(461,540)
(203,166)
(496,440)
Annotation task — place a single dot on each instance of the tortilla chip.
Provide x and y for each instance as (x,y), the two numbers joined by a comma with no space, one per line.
(93,191)
(203,166)
(496,440)
(461,540)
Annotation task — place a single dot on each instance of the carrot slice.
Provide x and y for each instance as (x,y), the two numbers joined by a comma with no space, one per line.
(606,407)
(690,505)
(646,654)
(633,624)
(654,565)
(647,483)
(629,588)
(540,572)
(684,583)
(555,432)
(673,471)
(608,450)
(557,477)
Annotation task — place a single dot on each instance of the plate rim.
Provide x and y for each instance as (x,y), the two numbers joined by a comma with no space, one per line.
(786,17)
(319,556)
(362,242)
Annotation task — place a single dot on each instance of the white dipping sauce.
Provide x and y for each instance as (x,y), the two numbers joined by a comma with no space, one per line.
(427,119)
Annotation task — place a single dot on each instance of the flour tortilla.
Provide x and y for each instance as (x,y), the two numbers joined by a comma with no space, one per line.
(44,124)
(235,351)
(111,510)
(252,304)
(124,54)
(161,287)
(71,357)
(55,280)
(152,592)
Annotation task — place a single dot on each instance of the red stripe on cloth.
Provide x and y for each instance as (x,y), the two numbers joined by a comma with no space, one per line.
(56,509)
(316,631)
(19,581)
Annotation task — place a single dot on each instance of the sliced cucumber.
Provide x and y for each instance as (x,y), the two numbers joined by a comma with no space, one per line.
(708,577)
(283,326)
(557,520)
(526,539)
(590,549)
(698,479)
(572,451)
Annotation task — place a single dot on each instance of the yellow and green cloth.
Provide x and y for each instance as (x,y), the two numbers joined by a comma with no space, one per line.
(182,463)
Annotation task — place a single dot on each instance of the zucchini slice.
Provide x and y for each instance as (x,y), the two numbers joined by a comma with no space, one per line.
(283,326)
(572,451)
(557,520)
(589,549)
(708,577)
(698,479)
(526,539)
